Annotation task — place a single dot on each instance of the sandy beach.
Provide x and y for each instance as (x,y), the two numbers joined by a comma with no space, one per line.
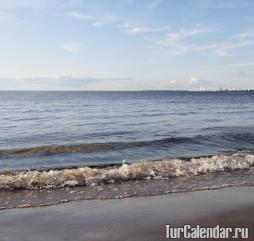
(141,218)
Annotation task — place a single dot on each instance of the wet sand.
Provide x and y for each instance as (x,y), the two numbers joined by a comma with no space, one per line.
(243,218)
(139,219)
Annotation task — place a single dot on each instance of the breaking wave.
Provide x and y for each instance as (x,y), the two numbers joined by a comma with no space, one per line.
(87,176)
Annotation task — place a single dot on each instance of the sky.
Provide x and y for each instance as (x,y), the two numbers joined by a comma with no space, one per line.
(126,44)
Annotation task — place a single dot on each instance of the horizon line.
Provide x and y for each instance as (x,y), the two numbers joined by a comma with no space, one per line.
(169,90)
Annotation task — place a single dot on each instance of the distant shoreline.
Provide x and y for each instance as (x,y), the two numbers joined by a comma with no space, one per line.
(195,91)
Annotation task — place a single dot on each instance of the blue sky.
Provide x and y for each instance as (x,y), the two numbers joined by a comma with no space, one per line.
(126,44)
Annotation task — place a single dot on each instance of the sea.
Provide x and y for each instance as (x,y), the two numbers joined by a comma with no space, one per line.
(181,140)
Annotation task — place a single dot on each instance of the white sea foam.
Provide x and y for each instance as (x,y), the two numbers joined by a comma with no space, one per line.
(136,171)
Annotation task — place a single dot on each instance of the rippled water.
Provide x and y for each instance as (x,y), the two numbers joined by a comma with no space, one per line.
(60,129)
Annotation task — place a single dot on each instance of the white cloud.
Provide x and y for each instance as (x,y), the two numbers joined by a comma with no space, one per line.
(98,24)
(180,43)
(245,35)
(112,19)
(130,29)
(72,47)
(12,4)
(226,4)
(81,16)
(175,37)
(238,65)
(194,80)
(75,81)
(197,83)
(120,23)
(224,48)
(103,19)
(64,81)
(177,42)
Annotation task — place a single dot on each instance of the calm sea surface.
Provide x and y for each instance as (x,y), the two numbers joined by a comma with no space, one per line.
(59,129)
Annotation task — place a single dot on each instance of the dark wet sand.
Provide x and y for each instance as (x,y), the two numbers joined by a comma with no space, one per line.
(139,219)
(236,218)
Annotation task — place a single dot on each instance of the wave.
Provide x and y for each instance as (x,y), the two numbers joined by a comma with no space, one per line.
(92,147)
(87,176)
(232,140)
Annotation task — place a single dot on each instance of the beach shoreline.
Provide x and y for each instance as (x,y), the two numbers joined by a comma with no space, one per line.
(140,218)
